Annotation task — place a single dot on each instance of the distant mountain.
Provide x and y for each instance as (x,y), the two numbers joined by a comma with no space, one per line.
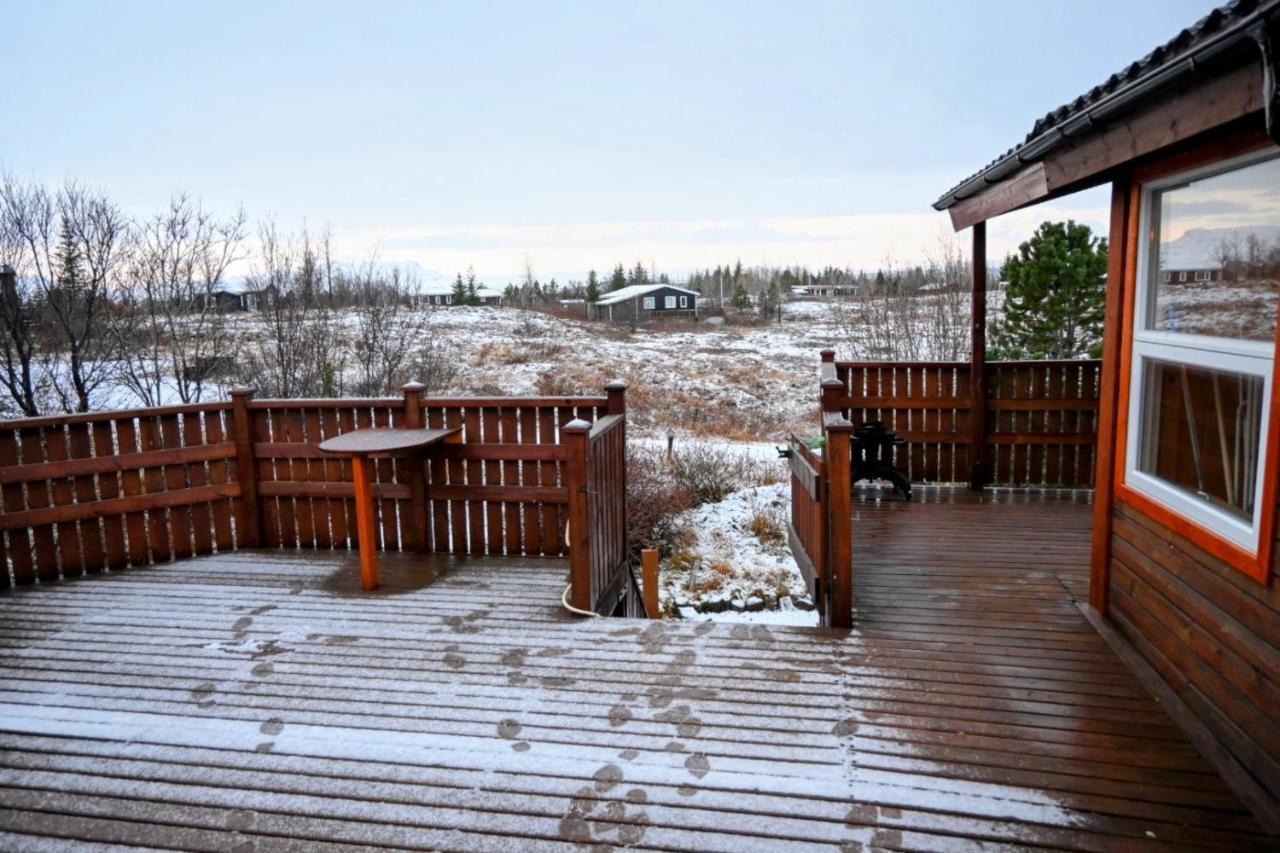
(1200,248)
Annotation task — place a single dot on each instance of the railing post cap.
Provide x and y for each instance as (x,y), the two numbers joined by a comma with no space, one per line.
(837,423)
(411,387)
(832,383)
(616,385)
(576,425)
(243,392)
(828,355)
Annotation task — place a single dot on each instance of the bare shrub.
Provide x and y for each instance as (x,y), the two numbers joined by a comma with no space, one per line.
(66,248)
(654,500)
(394,341)
(169,328)
(911,314)
(709,474)
(299,353)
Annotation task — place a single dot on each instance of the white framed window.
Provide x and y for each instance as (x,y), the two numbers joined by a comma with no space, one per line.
(684,302)
(1202,356)
(650,303)
(668,302)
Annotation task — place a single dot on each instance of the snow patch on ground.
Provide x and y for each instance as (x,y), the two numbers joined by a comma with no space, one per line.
(738,560)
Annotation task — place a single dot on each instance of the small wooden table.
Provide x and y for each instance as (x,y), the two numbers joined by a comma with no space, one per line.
(362,445)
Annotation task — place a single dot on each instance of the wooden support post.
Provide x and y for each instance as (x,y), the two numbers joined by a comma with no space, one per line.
(978,469)
(617,405)
(574,435)
(649,575)
(414,520)
(838,607)
(248,515)
(366,531)
(1109,396)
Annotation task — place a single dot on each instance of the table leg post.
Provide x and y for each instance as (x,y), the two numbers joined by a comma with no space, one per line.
(365,532)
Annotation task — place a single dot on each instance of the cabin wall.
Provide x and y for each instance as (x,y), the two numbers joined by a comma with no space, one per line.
(1210,632)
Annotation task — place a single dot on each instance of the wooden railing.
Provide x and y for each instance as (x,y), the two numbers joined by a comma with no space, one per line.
(807,533)
(597,488)
(1040,425)
(84,493)
(821,527)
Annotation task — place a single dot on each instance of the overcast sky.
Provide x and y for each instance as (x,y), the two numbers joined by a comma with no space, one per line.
(572,135)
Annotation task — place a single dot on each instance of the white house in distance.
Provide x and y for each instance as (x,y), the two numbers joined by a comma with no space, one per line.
(441,293)
(641,302)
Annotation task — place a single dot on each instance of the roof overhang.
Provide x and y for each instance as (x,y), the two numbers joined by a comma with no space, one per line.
(1217,82)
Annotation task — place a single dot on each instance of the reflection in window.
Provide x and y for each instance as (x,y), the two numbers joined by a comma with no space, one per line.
(1218,263)
(1201,432)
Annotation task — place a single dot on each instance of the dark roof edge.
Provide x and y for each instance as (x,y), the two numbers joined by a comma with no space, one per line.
(1110,106)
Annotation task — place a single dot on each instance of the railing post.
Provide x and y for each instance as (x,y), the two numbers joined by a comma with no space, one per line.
(828,382)
(838,607)
(649,573)
(415,520)
(617,405)
(978,475)
(617,391)
(575,436)
(248,517)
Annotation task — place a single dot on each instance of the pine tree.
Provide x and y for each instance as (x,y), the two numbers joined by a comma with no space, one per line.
(619,278)
(593,287)
(741,300)
(459,291)
(70,261)
(1056,292)
(469,294)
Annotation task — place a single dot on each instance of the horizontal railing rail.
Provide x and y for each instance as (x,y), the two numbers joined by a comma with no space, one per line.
(1040,425)
(108,490)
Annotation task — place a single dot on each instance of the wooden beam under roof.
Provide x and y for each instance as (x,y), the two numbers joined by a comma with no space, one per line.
(1165,121)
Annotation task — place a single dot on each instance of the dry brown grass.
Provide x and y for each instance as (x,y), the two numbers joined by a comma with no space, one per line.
(767,527)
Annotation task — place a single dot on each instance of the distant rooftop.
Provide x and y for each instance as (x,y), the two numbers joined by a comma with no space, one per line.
(631,291)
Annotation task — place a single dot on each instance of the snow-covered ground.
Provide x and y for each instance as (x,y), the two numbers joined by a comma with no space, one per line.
(737,565)
(745,383)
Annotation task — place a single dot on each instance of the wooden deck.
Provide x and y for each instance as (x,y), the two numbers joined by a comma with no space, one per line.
(259,701)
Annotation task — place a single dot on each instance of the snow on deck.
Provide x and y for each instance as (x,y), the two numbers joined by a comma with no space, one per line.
(261,701)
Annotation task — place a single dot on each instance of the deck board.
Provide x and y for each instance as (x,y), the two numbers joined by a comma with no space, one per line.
(261,701)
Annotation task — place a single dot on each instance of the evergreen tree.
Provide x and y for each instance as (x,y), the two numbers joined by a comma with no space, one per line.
(741,300)
(619,278)
(770,302)
(1056,292)
(593,287)
(470,295)
(70,261)
(459,292)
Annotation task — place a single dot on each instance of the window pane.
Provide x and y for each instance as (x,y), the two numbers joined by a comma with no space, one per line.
(1200,431)
(1217,258)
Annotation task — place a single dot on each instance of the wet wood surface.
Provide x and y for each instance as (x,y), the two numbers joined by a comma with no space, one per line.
(259,700)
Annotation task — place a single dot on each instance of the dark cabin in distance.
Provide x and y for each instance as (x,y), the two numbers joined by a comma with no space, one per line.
(641,302)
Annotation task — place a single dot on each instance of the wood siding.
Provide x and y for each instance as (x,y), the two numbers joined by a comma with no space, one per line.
(1209,631)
